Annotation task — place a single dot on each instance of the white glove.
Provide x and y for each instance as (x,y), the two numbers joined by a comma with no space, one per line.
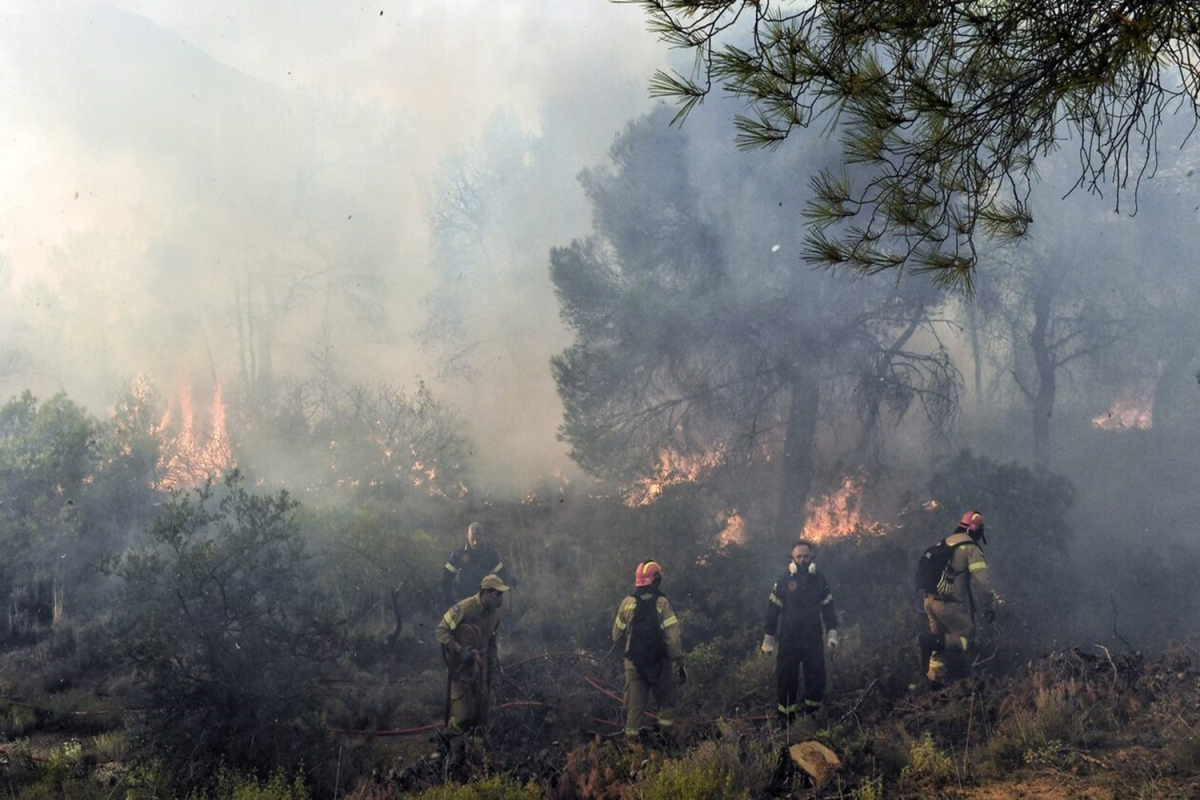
(832,639)
(768,645)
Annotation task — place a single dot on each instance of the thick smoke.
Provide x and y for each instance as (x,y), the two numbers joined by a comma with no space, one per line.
(229,193)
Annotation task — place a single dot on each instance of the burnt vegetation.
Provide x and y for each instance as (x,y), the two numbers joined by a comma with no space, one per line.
(229,639)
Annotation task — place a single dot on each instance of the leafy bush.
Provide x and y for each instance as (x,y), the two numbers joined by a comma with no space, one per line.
(928,762)
(376,574)
(232,786)
(493,787)
(227,636)
(712,770)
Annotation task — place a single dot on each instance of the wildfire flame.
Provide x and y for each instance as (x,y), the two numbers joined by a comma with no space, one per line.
(673,468)
(191,456)
(840,514)
(1127,413)
(734,532)
(425,476)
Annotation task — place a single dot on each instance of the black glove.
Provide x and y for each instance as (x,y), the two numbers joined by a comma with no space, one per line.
(681,675)
(989,616)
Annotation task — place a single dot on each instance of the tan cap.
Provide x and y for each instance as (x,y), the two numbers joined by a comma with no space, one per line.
(493,582)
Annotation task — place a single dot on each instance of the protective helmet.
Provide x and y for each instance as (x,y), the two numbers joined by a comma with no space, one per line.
(972,521)
(647,572)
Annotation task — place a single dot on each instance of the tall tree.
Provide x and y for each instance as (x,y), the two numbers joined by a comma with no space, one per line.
(945,108)
(1051,318)
(48,456)
(696,339)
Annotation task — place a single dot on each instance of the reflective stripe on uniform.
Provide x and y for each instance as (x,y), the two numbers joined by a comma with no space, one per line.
(775,600)
(450,618)
(812,703)
(978,565)
(626,606)
(669,621)
(792,709)
(828,599)
(451,568)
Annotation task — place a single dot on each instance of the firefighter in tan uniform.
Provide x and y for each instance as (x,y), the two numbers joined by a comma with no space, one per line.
(963,599)
(653,651)
(467,634)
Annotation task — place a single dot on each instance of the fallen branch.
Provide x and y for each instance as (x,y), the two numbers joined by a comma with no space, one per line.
(862,696)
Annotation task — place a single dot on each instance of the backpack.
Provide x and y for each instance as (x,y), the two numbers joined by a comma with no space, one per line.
(933,564)
(647,642)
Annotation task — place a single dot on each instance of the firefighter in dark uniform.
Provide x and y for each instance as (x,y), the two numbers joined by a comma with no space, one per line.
(468,565)
(800,621)
(467,634)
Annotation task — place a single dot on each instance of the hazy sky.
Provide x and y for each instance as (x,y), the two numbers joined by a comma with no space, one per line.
(165,164)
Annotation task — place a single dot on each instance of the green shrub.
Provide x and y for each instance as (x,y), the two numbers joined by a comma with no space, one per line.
(111,745)
(229,639)
(66,760)
(928,762)
(493,787)
(871,789)
(17,720)
(712,770)
(231,786)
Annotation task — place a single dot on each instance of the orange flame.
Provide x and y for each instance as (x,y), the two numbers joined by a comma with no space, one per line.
(673,469)
(840,514)
(734,532)
(191,457)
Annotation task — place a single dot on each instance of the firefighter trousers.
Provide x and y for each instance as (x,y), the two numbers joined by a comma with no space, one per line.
(953,626)
(788,665)
(658,681)
(468,705)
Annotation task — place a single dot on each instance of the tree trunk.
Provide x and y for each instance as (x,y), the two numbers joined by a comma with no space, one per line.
(797,458)
(1042,399)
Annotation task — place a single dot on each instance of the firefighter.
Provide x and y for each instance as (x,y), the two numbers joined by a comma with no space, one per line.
(964,596)
(468,565)
(467,634)
(653,651)
(800,621)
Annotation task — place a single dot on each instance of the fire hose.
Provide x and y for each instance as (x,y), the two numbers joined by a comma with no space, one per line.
(592,682)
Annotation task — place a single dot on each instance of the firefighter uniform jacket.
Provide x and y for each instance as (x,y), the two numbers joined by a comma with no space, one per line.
(466,567)
(800,610)
(666,620)
(470,624)
(966,580)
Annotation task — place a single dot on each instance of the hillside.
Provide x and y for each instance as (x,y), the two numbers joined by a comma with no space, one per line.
(1079,722)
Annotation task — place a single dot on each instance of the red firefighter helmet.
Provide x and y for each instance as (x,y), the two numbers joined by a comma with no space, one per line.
(972,521)
(646,573)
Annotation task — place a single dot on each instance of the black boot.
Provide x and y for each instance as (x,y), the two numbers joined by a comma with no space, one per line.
(930,643)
